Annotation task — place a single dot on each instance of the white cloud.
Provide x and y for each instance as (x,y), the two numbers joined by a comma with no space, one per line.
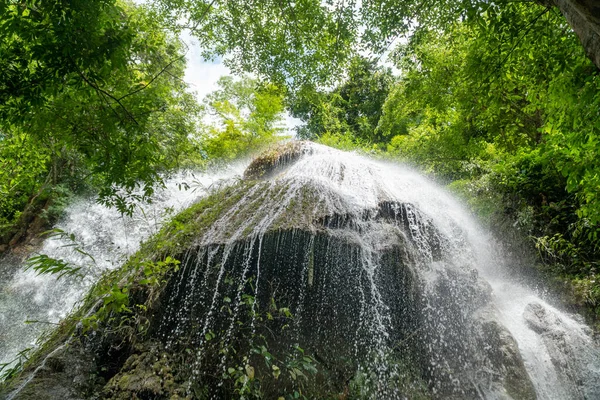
(200,74)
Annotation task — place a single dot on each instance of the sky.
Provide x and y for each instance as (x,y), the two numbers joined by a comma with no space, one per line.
(202,76)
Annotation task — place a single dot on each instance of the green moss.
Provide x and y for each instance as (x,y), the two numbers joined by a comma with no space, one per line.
(148,371)
(281,155)
(189,225)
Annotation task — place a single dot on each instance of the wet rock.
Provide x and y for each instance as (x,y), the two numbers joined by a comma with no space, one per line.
(67,373)
(505,375)
(571,350)
(290,285)
(277,157)
(146,373)
(538,318)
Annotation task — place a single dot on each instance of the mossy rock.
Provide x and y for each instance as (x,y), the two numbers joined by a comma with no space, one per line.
(276,158)
(150,372)
(68,372)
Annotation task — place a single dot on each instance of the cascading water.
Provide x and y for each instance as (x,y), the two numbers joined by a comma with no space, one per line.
(103,233)
(327,274)
(560,352)
(366,210)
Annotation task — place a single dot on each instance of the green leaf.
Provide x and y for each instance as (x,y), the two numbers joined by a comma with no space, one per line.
(276,371)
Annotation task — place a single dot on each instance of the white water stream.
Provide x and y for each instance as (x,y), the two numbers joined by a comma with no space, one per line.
(559,352)
(109,237)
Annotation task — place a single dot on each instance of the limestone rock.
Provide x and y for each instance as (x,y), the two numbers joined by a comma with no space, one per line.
(316,275)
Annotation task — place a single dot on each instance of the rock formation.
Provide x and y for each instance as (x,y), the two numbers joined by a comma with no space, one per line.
(317,276)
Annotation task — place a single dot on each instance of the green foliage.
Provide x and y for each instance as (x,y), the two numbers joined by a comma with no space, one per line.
(23,169)
(342,141)
(470,94)
(115,308)
(353,108)
(15,366)
(44,265)
(46,44)
(96,85)
(307,41)
(290,43)
(572,131)
(246,115)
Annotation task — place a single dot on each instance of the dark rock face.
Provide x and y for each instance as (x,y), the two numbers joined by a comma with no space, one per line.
(344,317)
(313,275)
(148,373)
(569,350)
(67,373)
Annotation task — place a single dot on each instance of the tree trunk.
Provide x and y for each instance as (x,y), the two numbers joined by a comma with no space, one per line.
(584,18)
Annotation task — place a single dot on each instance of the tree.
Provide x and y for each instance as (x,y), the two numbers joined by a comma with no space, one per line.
(98,86)
(471,88)
(246,115)
(299,42)
(352,108)
(584,18)
(513,123)
(288,43)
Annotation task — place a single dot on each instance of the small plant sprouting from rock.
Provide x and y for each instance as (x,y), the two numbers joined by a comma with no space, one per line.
(14,367)
(258,372)
(116,300)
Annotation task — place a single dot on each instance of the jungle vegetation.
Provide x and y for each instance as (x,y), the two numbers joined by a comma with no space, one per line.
(498,100)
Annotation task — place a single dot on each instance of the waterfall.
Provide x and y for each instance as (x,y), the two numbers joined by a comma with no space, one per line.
(105,234)
(367,209)
(326,273)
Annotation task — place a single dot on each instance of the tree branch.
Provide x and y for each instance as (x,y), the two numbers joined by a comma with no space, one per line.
(151,80)
(105,93)
(529,27)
